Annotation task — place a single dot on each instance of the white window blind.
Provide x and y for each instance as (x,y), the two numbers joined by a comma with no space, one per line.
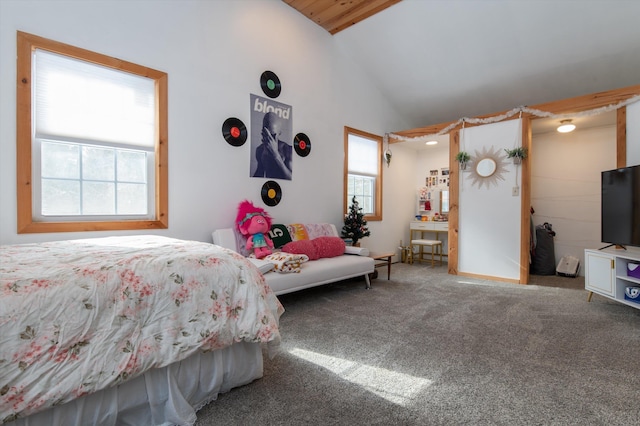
(363,155)
(79,100)
(94,141)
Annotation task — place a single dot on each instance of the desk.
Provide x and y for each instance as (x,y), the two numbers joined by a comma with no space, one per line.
(429,226)
(420,227)
(387,261)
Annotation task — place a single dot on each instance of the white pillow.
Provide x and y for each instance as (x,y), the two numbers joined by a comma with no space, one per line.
(360,251)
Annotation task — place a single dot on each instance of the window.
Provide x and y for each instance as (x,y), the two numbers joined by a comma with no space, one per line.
(92,141)
(363,172)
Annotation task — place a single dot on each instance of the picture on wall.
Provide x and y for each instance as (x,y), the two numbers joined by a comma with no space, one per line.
(271,136)
(431,181)
(437,180)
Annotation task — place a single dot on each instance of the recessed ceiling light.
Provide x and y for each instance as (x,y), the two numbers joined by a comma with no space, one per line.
(431,142)
(566,126)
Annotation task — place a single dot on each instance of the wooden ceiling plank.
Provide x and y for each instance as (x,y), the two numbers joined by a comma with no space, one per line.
(325,17)
(328,6)
(337,10)
(354,11)
(362,14)
(312,9)
(300,5)
(359,10)
(323,12)
(336,15)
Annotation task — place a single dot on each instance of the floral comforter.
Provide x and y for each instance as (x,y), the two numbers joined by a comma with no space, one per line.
(80,316)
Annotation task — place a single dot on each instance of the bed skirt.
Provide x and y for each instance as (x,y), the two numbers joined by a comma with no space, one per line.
(163,396)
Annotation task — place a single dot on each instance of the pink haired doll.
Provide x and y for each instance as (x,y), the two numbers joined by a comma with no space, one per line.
(256,223)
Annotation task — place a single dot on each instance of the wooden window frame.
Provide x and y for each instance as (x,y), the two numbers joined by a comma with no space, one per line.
(26,44)
(377,215)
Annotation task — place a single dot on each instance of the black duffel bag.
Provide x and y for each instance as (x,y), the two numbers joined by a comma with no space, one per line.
(543,260)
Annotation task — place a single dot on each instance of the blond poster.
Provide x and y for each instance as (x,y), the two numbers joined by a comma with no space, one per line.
(271,139)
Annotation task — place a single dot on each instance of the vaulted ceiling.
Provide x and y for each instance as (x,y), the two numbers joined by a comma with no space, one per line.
(441,60)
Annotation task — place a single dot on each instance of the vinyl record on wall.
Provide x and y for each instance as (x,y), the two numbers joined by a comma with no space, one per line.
(302,144)
(234,131)
(270,84)
(271,193)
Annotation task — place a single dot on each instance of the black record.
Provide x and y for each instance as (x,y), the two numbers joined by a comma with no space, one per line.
(302,144)
(234,131)
(270,84)
(271,193)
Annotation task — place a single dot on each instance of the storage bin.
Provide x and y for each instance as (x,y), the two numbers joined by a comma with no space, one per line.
(633,270)
(632,294)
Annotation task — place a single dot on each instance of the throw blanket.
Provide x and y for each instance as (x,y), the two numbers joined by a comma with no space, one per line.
(80,316)
(286,262)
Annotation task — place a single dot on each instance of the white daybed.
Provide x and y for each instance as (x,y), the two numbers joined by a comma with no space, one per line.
(314,272)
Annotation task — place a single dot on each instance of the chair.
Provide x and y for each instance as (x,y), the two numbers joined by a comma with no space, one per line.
(435,246)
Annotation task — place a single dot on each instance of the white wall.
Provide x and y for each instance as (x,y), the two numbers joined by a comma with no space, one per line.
(431,158)
(214,53)
(399,200)
(489,218)
(565,186)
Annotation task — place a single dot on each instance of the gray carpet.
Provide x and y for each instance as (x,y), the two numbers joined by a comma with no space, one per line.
(576,283)
(428,348)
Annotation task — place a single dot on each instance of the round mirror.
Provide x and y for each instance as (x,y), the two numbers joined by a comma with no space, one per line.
(486,167)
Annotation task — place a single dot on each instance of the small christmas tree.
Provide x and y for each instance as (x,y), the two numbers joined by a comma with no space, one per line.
(355,225)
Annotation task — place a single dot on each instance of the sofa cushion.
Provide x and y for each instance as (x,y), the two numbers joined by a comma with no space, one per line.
(315,230)
(302,247)
(298,232)
(279,234)
(329,246)
(241,243)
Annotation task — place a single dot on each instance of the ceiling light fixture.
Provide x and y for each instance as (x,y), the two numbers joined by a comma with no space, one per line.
(431,142)
(566,126)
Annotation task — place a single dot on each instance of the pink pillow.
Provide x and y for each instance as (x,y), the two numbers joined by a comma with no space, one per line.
(301,247)
(329,246)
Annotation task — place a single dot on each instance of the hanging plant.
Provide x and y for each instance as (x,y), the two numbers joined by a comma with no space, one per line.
(518,154)
(463,158)
(387,156)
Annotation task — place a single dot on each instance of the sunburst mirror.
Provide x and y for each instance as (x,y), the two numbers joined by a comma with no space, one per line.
(489,167)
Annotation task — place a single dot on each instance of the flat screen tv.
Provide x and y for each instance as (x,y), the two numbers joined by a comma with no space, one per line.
(621,206)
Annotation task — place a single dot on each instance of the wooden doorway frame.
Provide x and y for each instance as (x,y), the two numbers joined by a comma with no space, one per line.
(565,106)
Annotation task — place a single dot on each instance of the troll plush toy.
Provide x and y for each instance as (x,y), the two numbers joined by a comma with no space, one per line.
(255,223)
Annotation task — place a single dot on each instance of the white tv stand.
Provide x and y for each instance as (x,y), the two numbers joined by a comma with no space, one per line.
(606,272)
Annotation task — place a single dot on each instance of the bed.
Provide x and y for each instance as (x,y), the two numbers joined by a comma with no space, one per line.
(127,330)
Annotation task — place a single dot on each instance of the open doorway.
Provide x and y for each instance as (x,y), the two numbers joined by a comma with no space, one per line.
(565,188)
